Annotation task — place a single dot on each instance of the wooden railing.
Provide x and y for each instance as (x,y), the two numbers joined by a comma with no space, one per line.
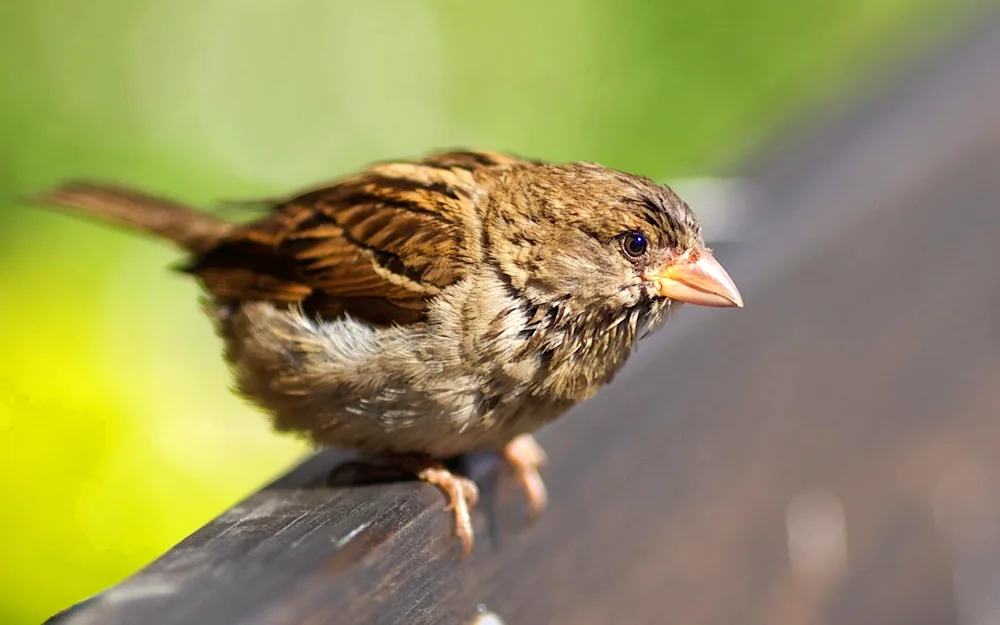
(829,454)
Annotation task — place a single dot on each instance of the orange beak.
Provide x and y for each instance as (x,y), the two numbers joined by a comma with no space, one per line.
(698,278)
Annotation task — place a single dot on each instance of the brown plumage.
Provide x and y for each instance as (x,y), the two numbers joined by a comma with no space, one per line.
(376,245)
(429,308)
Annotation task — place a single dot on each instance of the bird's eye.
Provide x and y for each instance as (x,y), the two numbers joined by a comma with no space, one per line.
(634,244)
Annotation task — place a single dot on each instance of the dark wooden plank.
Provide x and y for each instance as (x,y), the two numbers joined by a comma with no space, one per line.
(827,455)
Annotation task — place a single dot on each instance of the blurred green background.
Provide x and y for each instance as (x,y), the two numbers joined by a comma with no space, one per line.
(118,436)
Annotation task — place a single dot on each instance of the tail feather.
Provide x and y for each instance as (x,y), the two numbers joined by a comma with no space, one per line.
(190,229)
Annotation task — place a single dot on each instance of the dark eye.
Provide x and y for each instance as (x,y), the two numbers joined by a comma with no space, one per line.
(634,244)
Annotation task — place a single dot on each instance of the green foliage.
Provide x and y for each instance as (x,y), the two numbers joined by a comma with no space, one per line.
(117,434)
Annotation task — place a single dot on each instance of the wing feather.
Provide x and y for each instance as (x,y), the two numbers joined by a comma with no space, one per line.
(377,245)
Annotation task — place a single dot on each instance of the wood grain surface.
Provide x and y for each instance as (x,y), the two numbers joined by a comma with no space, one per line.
(829,454)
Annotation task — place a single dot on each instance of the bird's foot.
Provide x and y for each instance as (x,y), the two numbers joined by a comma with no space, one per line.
(462,493)
(526,456)
(462,496)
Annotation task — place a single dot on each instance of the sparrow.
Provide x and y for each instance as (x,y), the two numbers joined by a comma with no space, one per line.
(423,309)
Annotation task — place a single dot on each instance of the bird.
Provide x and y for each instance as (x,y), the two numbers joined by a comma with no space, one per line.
(421,309)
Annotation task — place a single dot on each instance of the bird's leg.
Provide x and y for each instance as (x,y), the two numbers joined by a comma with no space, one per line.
(526,456)
(462,494)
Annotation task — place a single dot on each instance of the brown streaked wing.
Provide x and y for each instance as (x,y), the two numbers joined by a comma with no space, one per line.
(377,245)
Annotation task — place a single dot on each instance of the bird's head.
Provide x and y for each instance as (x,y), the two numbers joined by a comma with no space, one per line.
(604,240)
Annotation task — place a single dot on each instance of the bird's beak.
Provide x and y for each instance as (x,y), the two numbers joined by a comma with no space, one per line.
(697,278)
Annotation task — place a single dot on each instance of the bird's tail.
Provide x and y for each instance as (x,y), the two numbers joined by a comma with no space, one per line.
(186,227)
